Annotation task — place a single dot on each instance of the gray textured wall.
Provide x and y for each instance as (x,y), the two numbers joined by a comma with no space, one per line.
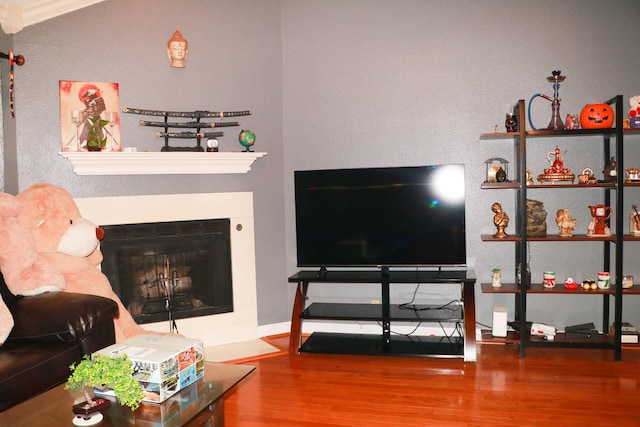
(234,63)
(376,83)
(346,84)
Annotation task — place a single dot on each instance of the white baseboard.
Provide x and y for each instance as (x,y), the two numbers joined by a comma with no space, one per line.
(274,329)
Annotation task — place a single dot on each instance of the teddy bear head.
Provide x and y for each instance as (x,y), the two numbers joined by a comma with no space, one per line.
(56,223)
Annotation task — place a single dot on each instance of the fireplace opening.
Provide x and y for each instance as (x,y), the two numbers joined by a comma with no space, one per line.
(170,270)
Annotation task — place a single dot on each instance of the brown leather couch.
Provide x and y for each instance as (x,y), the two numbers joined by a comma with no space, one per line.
(52,331)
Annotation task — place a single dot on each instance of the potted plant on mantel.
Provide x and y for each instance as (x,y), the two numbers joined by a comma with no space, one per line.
(100,370)
(97,138)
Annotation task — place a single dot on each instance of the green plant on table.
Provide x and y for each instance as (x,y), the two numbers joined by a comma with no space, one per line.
(115,373)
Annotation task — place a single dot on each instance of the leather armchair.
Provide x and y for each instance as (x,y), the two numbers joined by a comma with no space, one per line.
(52,331)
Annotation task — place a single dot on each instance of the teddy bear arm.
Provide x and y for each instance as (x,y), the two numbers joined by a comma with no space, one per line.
(6,321)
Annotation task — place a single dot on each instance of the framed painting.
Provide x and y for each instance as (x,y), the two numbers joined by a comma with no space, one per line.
(83,104)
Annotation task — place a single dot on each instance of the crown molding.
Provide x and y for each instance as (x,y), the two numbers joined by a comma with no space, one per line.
(17,14)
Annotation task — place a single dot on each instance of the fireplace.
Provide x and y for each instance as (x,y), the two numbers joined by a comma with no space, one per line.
(238,320)
(170,270)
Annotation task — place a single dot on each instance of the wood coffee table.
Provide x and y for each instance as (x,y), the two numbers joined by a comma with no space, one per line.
(201,403)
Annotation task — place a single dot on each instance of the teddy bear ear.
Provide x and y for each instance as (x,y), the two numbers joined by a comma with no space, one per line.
(23,271)
(38,204)
(9,205)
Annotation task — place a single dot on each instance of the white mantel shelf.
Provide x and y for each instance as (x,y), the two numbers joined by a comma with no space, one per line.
(160,163)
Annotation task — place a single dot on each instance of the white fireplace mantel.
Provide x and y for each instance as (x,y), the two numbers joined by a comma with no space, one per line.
(159,163)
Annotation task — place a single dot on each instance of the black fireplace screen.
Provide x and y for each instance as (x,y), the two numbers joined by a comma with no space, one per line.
(170,270)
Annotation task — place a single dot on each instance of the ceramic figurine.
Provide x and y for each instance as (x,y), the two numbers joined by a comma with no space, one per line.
(511,123)
(634,112)
(500,220)
(529,175)
(571,122)
(632,175)
(565,222)
(610,173)
(177,50)
(549,279)
(598,226)
(495,278)
(557,171)
(634,221)
(587,177)
(557,165)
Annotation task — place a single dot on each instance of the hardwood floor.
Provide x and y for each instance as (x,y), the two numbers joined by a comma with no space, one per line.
(550,387)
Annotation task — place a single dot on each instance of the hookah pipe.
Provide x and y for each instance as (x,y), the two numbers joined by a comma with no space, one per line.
(556,121)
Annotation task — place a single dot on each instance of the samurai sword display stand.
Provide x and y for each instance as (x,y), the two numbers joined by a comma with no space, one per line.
(198,127)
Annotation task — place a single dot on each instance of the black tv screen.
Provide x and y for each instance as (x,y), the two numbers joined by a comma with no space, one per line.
(382,217)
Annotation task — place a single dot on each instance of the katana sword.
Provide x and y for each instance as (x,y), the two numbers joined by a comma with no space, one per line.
(192,114)
(188,124)
(185,135)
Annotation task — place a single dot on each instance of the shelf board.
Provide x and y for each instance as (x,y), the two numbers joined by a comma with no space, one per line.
(373,312)
(514,185)
(490,238)
(498,135)
(536,288)
(545,133)
(500,185)
(561,340)
(556,185)
(554,238)
(365,344)
(159,163)
(574,238)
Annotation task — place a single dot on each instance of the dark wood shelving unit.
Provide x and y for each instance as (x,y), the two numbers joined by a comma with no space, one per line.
(612,138)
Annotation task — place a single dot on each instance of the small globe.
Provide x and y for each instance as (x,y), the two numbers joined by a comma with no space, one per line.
(247,138)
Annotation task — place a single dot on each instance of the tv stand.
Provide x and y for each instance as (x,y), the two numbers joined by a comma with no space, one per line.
(386,343)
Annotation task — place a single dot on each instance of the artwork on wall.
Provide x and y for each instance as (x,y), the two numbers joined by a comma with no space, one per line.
(89,119)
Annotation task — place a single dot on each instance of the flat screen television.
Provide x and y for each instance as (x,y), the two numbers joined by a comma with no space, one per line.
(381,217)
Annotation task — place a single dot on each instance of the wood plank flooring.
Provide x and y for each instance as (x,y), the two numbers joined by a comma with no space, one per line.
(550,387)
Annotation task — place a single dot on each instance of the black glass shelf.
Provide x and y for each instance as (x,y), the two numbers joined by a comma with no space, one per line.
(399,345)
(373,312)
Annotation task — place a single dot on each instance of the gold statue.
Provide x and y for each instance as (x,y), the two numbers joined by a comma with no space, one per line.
(565,222)
(177,50)
(500,220)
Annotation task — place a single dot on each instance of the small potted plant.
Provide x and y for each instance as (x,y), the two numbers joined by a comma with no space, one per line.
(100,370)
(97,138)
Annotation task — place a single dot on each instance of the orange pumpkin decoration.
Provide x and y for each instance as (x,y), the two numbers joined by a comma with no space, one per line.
(596,116)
